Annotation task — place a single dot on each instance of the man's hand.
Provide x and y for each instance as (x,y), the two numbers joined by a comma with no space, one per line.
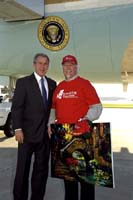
(19,136)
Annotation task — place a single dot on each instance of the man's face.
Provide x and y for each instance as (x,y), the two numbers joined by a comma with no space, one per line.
(41,65)
(69,70)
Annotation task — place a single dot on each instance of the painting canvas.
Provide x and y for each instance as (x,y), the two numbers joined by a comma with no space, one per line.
(83,157)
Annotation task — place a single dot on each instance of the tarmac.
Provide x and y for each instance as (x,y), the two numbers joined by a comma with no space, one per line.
(123,173)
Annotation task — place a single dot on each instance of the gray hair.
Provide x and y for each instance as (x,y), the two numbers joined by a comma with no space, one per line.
(40,55)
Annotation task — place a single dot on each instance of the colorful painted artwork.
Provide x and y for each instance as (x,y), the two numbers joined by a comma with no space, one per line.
(82,156)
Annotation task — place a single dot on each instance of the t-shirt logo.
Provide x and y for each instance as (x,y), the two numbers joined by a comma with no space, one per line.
(67,95)
(60,94)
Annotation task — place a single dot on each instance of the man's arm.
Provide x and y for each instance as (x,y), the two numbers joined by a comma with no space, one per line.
(51,121)
(94,112)
(18,104)
(17,110)
(93,101)
(51,117)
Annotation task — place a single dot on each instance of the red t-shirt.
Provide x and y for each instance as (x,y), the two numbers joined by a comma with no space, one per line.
(72,99)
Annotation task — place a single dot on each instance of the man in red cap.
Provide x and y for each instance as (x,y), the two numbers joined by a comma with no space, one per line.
(75,101)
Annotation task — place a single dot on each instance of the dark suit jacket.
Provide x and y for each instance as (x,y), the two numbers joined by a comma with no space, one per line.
(28,110)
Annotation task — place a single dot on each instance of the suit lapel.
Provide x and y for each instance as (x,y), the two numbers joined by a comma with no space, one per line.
(36,88)
(49,89)
(37,91)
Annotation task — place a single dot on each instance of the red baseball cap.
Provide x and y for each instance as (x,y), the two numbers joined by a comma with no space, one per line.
(70,59)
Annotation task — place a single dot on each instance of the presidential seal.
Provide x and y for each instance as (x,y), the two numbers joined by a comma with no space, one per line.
(53,33)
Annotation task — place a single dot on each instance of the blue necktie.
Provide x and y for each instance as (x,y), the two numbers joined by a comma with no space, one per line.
(44,94)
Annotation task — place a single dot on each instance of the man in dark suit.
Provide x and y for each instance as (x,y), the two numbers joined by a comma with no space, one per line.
(30,112)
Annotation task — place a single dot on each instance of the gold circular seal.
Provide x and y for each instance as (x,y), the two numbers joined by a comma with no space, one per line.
(53,33)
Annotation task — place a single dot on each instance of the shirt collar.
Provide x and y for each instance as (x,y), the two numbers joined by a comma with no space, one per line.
(74,77)
(38,78)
